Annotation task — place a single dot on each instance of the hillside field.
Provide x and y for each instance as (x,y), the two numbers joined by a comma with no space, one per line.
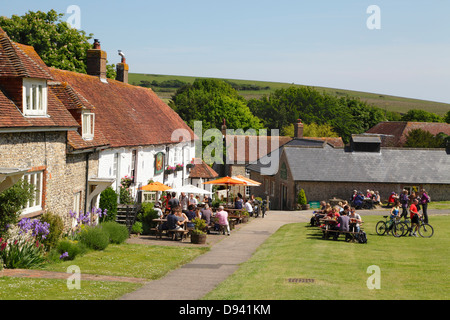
(390,103)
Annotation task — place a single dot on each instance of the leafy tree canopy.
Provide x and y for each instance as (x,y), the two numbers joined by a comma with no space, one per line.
(55,41)
(211,101)
(421,116)
(419,138)
(345,115)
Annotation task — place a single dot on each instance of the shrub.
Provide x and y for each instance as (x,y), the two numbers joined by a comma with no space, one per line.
(108,201)
(301,199)
(117,232)
(94,238)
(56,228)
(146,216)
(137,228)
(12,200)
(68,250)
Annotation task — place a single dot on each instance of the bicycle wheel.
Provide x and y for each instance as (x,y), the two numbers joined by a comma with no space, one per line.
(398,230)
(426,230)
(405,228)
(381,228)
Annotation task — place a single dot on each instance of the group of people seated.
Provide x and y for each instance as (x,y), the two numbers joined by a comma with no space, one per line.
(345,216)
(368,200)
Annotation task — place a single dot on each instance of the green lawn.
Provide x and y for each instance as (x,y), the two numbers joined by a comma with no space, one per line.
(128,260)
(410,268)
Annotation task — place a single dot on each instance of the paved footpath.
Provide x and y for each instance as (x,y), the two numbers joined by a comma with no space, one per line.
(218,263)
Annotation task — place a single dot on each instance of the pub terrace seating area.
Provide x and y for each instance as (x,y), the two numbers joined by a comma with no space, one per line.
(214,227)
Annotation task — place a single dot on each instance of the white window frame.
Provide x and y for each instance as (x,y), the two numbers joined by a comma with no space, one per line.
(36,179)
(87,124)
(34,92)
(148,196)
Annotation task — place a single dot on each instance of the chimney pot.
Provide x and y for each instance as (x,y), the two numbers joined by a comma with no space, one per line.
(96,61)
(298,129)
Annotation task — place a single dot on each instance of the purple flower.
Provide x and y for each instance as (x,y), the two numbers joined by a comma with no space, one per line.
(64,255)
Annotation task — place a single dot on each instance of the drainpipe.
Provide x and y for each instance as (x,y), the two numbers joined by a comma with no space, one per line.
(87,183)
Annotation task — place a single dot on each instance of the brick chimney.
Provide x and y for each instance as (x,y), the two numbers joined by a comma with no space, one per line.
(96,61)
(298,129)
(122,69)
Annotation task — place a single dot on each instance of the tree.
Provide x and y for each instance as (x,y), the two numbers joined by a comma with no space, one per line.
(55,41)
(447,117)
(345,115)
(419,138)
(211,101)
(421,116)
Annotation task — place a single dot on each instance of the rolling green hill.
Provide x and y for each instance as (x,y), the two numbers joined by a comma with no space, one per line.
(390,103)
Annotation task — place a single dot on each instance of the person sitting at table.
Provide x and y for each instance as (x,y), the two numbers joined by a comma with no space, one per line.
(206,214)
(355,220)
(248,206)
(175,220)
(334,213)
(222,215)
(158,210)
(392,198)
(376,198)
(238,202)
(344,222)
(190,214)
(358,202)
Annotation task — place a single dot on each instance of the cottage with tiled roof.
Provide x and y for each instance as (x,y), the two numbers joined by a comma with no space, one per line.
(41,139)
(145,135)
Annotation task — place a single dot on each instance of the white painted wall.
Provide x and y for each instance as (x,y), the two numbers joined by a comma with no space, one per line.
(181,153)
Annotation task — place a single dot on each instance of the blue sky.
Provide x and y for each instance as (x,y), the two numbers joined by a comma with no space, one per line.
(321,43)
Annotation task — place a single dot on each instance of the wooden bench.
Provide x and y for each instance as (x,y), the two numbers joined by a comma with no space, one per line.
(175,232)
(338,232)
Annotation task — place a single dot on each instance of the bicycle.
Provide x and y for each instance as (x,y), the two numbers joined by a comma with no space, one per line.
(396,226)
(425,230)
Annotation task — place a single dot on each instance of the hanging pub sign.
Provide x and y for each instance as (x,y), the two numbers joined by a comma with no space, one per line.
(159,162)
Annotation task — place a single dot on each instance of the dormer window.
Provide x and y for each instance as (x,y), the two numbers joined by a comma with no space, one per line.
(88,121)
(34,97)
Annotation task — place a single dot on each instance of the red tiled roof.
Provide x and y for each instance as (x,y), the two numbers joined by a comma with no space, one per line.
(127,115)
(57,115)
(252,144)
(18,60)
(395,132)
(246,155)
(202,170)
(74,101)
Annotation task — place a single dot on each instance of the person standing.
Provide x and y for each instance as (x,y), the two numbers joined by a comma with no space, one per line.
(183,201)
(192,200)
(424,200)
(414,215)
(404,202)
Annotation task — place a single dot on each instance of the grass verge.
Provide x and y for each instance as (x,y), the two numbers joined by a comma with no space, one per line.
(126,260)
(410,268)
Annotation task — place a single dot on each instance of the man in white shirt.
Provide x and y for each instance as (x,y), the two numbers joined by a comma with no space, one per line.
(248,207)
(192,200)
